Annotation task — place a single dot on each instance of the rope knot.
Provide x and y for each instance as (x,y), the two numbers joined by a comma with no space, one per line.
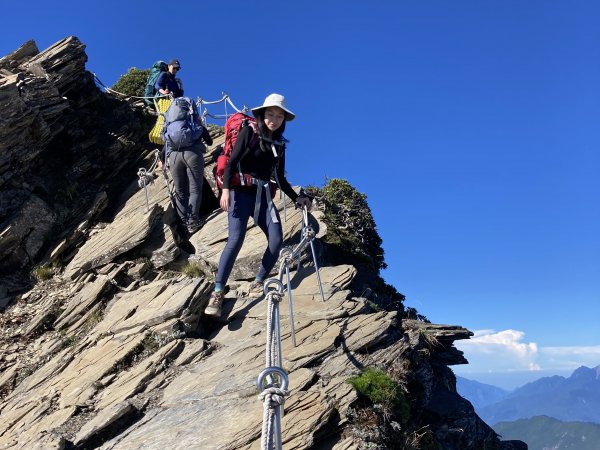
(274,296)
(273,396)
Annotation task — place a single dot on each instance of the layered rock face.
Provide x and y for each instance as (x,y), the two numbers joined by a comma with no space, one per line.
(114,352)
(63,147)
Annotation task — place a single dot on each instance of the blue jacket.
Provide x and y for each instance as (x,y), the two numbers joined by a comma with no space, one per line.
(167,81)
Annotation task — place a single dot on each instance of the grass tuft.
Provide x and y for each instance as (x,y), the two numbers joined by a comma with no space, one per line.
(192,270)
(43,272)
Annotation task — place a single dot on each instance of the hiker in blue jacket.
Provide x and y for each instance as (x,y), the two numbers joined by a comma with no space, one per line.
(259,158)
(167,83)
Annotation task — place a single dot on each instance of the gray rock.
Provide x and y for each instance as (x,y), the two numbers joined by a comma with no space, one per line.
(4,302)
(102,420)
(23,239)
(24,53)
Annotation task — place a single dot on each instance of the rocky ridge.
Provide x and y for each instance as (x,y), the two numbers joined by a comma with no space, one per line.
(113,352)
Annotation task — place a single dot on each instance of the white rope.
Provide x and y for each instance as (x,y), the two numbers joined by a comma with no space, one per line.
(272,305)
(245,109)
(201,101)
(273,398)
(273,395)
(112,91)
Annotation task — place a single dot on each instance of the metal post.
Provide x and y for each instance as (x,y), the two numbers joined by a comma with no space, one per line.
(289,288)
(142,183)
(312,247)
(311,234)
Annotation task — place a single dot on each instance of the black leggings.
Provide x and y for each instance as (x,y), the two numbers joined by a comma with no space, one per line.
(241,208)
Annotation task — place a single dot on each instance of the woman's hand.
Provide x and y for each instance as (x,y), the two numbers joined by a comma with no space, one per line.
(304,201)
(224,202)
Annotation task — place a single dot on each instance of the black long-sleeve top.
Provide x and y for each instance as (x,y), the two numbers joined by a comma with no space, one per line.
(256,162)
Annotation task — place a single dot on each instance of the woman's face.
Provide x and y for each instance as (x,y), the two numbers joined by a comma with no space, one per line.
(274,117)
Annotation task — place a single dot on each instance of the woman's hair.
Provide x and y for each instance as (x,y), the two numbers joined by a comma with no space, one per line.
(262,128)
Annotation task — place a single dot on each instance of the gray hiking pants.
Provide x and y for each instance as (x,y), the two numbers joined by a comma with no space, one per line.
(187,170)
(241,208)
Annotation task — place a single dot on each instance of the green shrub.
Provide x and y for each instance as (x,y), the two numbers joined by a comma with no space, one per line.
(380,389)
(69,341)
(350,224)
(133,83)
(192,270)
(43,272)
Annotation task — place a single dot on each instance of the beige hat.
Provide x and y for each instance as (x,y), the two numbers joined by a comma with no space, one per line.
(275,100)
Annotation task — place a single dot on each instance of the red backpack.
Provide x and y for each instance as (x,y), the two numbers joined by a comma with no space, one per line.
(233,127)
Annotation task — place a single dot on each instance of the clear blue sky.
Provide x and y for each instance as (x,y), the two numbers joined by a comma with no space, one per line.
(473,128)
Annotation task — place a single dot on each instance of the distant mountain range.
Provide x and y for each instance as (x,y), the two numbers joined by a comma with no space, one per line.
(547,433)
(479,394)
(572,399)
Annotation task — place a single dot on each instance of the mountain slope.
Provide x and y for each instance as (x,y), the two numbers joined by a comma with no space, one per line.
(479,394)
(543,433)
(576,398)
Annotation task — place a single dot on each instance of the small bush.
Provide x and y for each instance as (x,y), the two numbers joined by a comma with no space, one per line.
(192,270)
(69,341)
(43,272)
(133,83)
(350,224)
(380,389)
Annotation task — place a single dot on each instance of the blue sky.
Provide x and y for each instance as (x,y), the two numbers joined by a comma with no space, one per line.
(472,127)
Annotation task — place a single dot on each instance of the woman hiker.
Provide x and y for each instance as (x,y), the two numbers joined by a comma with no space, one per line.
(259,158)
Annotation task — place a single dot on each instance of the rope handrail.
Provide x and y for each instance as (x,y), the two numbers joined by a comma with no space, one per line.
(273,395)
(112,91)
(200,101)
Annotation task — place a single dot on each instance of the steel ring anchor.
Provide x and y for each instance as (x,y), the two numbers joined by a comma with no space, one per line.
(272,373)
(271,281)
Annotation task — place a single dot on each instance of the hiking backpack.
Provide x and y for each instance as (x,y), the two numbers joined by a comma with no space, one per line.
(150,91)
(182,124)
(233,127)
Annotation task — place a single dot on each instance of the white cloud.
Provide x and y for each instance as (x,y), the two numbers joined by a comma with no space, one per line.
(570,357)
(507,351)
(593,351)
(503,350)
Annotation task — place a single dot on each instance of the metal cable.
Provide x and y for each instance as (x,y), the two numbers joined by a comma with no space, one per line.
(273,395)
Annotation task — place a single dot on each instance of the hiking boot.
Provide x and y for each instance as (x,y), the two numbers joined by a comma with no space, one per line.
(256,289)
(194,226)
(215,302)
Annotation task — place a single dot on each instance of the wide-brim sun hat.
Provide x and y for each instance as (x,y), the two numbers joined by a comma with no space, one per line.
(275,100)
